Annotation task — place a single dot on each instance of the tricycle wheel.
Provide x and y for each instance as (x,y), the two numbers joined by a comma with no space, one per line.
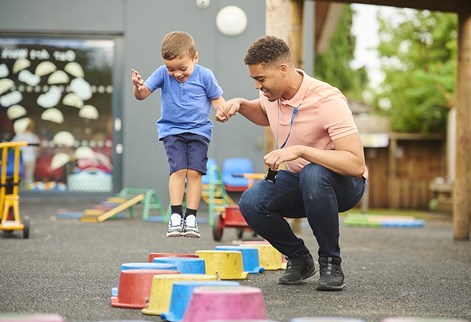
(240,233)
(26,227)
(218,227)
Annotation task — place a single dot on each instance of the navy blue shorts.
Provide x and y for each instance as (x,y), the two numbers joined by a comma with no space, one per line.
(187,151)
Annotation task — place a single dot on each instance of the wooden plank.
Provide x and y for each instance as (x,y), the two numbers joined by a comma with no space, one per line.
(121,207)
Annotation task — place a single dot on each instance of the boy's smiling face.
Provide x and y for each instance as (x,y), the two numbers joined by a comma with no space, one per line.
(181,68)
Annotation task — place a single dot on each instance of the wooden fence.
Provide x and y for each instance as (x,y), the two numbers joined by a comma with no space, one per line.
(400,174)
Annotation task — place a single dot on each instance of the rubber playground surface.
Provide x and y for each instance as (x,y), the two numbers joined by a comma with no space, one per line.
(68,267)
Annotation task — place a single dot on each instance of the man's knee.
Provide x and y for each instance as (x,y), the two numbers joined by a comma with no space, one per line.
(245,204)
(314,175)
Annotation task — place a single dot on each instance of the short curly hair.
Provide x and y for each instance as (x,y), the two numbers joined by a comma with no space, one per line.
(178,44)
(267,50)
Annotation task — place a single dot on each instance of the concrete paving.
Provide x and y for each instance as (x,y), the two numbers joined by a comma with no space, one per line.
(68,267)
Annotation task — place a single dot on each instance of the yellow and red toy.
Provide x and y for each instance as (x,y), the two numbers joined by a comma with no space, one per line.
(9,182)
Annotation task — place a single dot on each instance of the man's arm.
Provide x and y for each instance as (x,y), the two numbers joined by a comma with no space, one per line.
(250,109)
(347,159)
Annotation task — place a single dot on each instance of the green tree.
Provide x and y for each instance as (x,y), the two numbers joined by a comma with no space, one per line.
(333,66)
(418,58)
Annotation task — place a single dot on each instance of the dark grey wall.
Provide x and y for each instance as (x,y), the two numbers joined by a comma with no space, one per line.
(138,27)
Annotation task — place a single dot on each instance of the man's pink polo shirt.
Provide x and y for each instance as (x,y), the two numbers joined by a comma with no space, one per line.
(323,115)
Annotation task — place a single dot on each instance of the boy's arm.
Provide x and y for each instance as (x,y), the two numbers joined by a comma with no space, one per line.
(250,109)
(217,102)
(140,90)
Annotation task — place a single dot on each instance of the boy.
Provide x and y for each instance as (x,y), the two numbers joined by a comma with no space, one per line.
(188,92)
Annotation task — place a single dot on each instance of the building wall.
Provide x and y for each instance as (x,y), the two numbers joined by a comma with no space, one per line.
(138,28)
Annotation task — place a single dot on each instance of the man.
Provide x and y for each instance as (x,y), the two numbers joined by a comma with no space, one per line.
(317,139)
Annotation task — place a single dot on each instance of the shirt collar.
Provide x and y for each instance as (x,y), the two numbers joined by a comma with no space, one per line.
(299,96)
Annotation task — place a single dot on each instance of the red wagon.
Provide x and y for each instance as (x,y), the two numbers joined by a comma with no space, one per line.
(231,217)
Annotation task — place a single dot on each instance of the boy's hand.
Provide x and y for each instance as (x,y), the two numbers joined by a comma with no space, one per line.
(137,80)
(227,110)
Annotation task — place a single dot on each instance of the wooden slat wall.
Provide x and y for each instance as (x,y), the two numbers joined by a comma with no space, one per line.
(417,163)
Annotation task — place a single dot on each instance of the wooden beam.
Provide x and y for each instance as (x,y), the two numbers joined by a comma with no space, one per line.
(462,188)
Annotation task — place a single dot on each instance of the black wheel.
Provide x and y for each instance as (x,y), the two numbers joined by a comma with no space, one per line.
(240,233)
(218,227)
(26,228)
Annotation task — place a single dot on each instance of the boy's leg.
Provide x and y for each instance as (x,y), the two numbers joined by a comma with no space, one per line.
(197,147)
(175,147)
(176,188)
(193,196)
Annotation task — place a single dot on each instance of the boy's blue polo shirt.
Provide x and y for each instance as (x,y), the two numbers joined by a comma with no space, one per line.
(185,107)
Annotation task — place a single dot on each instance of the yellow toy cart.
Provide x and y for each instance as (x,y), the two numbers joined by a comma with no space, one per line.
(9,181)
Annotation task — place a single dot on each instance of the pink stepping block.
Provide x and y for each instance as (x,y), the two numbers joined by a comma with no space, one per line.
(135,286)
(225,302)
(25,317)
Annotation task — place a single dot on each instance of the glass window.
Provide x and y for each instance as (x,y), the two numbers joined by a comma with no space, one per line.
(56,94)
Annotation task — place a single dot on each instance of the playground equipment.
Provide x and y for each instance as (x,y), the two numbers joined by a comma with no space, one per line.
(125,200)
(230,215)
(214,193)
(232,173)
(9,181)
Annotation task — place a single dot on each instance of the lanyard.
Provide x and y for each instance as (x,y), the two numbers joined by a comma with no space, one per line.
(295,110)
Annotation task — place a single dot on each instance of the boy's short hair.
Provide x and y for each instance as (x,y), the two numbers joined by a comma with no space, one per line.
(267,50)
(178,44)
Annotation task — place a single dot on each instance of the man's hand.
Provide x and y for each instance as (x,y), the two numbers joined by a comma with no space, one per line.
(276,157)
(137,79)
(227,110)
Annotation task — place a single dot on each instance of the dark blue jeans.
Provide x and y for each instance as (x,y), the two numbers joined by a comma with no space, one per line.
(316,193)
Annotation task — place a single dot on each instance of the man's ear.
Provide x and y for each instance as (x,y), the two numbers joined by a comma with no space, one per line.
(283,69)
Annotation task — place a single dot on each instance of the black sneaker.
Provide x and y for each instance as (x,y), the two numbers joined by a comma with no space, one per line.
(297,270)
(332,277)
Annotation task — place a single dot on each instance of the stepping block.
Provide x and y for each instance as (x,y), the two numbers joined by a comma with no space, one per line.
(181,296)
(156,255)
(270,258)
(225,264)
(135,286)
(225,302)
(379,221)
(421,319)
(185,265)
(325,319)
(161,290)
(25,317)
(249,258)
(126,266)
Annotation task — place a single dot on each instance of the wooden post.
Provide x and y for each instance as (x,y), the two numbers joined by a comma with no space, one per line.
(285,20)
(462,186)
(393,193)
